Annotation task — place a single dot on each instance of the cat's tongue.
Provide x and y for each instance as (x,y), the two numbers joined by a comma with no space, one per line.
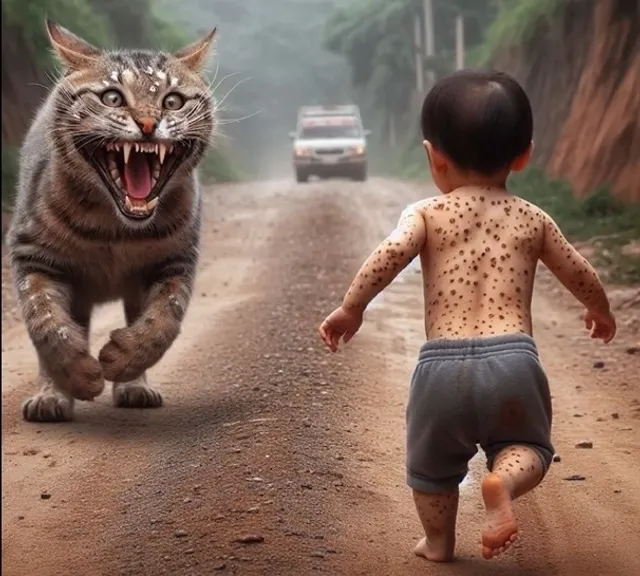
(137,176)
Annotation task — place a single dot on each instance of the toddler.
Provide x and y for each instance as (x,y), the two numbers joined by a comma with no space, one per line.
(478,379)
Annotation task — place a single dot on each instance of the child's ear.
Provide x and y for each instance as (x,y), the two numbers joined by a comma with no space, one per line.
(437,162)
(427,145)
(520,163)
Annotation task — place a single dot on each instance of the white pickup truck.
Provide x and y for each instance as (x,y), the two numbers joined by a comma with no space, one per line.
(329,143)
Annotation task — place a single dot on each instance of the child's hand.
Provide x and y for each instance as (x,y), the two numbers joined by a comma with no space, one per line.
(340,323)
(602,326)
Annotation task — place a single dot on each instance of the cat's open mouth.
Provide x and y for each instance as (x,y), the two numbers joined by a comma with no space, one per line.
(136,172)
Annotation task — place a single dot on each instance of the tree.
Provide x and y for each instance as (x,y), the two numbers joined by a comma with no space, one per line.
(376,37)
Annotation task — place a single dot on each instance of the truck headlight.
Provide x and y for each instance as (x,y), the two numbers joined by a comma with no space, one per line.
(303,152)
(357,150)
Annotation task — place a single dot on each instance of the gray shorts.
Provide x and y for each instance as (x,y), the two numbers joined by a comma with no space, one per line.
(487,391)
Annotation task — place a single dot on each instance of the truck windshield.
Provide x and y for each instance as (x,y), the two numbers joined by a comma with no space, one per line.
(316,132)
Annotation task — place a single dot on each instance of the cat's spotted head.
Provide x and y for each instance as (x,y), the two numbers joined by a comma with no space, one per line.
(136,121)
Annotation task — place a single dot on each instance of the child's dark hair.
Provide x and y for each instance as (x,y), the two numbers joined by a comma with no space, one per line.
(481,121)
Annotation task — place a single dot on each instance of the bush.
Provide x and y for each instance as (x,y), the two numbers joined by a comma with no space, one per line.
(515,23)
(601,204)
(77,15)
(598,214)
(216,167)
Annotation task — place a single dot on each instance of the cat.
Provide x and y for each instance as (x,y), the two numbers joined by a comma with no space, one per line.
(108,208)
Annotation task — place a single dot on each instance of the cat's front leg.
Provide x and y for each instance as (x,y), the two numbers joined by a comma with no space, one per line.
(132,350)
(57,321)
(135,393)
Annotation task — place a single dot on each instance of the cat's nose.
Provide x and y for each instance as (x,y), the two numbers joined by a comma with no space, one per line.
(147,125)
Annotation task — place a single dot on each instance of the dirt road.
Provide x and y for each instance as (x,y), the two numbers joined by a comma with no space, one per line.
(267,438)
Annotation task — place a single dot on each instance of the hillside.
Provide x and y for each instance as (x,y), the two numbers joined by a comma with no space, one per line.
(580,63)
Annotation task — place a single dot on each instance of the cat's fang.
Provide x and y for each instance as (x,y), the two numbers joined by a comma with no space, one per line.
(162,151)
(152,204)
(126,149)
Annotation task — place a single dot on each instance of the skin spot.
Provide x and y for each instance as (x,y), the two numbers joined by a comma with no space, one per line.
(476,276)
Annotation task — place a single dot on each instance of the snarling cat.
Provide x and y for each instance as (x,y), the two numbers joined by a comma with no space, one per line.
(108,208)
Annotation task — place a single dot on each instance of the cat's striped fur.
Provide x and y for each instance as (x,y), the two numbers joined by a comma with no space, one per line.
(101,218)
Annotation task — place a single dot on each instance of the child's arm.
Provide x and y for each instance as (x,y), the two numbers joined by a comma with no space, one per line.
(386,262)
(392,256)
(580,278)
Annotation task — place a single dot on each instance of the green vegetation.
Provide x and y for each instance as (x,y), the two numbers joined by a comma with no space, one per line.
(77,15)
(271,60)
(376,38)
(216,168)
(599,218)
(514,24)
(372,36)
(109,24)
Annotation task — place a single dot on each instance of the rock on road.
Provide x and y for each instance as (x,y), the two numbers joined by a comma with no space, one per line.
(274,457)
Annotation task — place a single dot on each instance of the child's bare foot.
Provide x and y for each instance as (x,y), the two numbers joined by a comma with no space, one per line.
(436,550)
(501,528)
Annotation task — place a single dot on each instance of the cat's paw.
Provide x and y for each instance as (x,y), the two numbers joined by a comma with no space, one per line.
(83,378)
(135,394)
(48,405)
(125,357)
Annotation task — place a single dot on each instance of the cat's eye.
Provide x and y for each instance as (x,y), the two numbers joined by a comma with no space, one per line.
(173,102)
(112,98)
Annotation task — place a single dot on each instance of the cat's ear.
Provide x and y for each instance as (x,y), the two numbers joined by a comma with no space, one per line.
(195,55)
(72,51)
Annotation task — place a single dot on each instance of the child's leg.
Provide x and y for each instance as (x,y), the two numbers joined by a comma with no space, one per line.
(516,470)
(437,513)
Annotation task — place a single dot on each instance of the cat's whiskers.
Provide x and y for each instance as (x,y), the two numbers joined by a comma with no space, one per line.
(197,109)
(215,75)
(213,89)
(224,121)
(224,98)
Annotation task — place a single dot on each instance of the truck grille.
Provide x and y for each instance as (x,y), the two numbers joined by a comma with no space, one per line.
(333,151)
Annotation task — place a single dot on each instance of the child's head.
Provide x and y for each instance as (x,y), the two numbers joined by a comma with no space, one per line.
(477,128)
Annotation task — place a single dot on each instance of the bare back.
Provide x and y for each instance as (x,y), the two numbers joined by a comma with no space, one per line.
(479,249)
(478,263)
